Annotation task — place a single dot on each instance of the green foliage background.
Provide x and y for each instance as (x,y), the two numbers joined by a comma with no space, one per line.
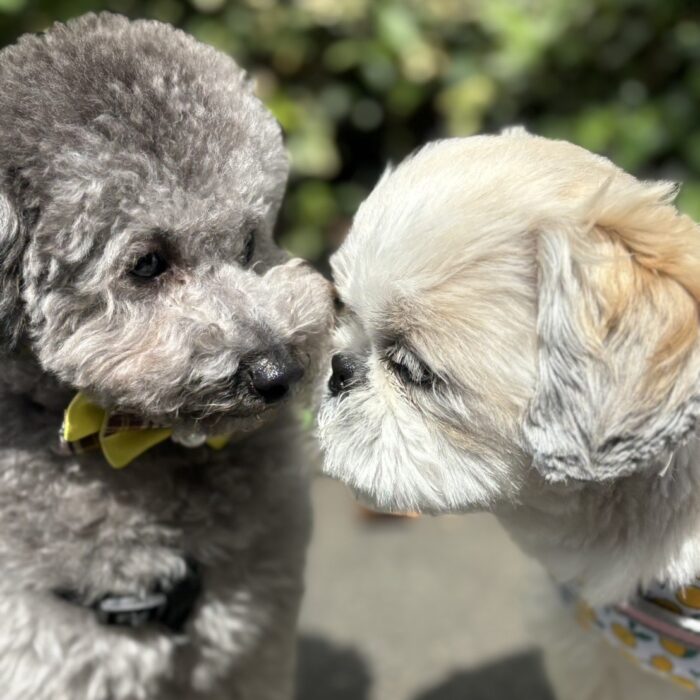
(356,83)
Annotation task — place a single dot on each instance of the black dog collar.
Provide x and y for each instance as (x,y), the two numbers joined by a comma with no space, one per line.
(169,606)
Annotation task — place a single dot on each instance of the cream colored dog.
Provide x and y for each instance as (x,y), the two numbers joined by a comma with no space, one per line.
(520,334)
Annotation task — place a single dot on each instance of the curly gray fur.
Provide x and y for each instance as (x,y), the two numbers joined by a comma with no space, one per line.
(120,138)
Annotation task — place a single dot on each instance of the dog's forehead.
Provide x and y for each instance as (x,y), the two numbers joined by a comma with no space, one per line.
(145,115)
(197,213)
(197,235)
(457,200)
(451,228)
(197,224)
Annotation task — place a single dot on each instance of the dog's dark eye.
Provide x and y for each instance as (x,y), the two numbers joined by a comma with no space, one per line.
(149,266)
(249,247)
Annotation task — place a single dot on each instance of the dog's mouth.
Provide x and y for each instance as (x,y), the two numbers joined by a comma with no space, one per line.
(368,501)
(194,426)
(197,433)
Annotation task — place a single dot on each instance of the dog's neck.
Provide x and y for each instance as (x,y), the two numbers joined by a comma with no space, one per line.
(610,538)
(23,377)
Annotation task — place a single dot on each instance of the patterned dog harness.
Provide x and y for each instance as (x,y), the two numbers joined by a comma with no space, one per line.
(658,630)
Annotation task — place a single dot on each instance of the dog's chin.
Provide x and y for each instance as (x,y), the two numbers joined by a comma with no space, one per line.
(194,423)
(401,506)
(392,481)
(368,500)
(192,428)
(194,433)
(388,499)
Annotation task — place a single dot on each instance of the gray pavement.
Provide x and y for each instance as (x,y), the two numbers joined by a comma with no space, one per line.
(424,609)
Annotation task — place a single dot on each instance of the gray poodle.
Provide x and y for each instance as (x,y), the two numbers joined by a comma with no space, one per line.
(139,183)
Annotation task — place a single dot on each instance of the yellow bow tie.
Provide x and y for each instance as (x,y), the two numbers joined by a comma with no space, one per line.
(122,438)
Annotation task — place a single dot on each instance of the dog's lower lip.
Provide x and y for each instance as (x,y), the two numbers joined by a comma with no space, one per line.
(211,418)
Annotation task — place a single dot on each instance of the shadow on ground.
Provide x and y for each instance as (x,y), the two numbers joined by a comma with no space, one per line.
(327,671)
(331,672)
(518,676)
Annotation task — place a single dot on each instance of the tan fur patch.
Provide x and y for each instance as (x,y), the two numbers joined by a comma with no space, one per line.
(634,286)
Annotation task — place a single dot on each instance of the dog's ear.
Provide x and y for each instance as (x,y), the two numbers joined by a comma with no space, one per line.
(12,246)
(619,353)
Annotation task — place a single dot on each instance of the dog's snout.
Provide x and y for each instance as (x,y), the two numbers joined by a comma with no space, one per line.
(344,367)
(271,376)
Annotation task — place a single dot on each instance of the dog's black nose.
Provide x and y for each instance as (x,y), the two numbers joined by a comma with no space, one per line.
(344,367)
(271,376)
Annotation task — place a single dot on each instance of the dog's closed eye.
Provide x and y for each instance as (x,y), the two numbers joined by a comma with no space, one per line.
(408,367)
(338,303)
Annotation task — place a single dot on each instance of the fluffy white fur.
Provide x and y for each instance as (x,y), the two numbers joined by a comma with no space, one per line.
(521,323)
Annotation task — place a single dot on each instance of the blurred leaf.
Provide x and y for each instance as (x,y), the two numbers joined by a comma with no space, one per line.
(689,199)
(378,70)
(285,109)
(693,150)
(12,5)
(208,5)
(334,12)
(367,114)
(170,11)
(404,98)
(314,203)
(343,55)
(594,128)
(397,26)
(350,196)
(641,134)
(212,31)
(304,242)
(312,147)
(289,55)
(465,102)
(399,29)
(336,100)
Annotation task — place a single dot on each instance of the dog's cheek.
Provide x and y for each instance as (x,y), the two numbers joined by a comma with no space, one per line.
(126,356)
(400,456)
